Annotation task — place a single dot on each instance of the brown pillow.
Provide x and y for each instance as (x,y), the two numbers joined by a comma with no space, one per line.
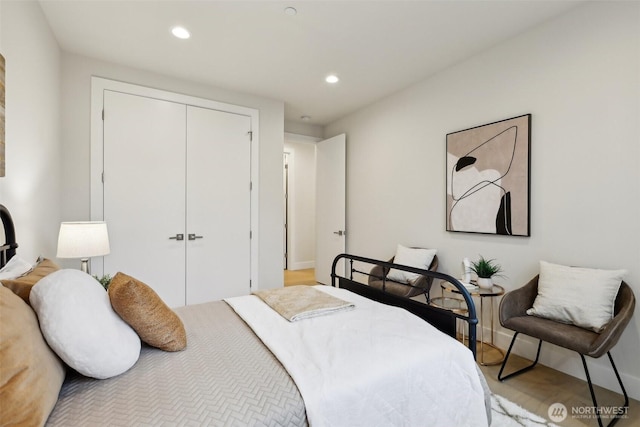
(31,374)
(22,285)
(146,313)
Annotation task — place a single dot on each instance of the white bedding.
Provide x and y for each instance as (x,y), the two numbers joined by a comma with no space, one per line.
(373,366)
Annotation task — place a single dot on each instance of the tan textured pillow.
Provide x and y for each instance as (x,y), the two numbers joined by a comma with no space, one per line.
(22,285)
(31,375)
(139,306)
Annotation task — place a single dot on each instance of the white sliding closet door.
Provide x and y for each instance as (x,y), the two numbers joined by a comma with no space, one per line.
(144,191)
(218,204)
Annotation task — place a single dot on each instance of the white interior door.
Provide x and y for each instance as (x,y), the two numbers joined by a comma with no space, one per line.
(330,205)
(144,192)
(218,205)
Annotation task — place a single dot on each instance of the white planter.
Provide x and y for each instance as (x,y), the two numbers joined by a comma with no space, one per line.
(485,282)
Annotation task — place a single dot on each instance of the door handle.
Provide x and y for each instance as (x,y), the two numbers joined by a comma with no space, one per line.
(194,237)
(340,232)
(177,237)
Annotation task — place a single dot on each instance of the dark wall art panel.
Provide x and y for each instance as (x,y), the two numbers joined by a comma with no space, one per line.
(488,176)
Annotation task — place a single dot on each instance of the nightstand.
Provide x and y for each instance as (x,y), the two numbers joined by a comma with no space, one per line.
(492,294)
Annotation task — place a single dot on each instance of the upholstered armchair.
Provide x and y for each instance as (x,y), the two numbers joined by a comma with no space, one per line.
(513,315)
(378,279)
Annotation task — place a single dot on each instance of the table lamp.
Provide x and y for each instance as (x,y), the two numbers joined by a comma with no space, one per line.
(83,239)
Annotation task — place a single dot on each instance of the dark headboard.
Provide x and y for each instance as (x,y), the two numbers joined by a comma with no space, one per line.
(7,250)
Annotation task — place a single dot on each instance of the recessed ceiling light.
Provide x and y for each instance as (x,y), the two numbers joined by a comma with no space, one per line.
(180,32)
(291,11)
(332,78)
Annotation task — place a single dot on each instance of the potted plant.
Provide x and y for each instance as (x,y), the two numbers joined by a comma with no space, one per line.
(485,269)
(104,280)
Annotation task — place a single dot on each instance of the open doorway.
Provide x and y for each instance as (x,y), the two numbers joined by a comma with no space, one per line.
(299,209)
(300,277)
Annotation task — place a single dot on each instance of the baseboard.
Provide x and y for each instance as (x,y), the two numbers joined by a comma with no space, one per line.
(569,362)
(302,265)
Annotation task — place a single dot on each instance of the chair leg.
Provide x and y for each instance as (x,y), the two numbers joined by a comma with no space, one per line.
(521,371)
(593,395)
(427,296)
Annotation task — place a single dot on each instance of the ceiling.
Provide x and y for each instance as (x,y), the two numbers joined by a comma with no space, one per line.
(375,47)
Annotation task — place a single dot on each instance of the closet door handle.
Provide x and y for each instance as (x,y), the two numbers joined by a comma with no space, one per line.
(194,237)
(177,237)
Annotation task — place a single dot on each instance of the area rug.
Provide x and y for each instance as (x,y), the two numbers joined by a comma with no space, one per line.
(505,413)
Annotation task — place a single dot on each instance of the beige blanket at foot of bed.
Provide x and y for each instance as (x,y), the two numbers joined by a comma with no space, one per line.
(302,302)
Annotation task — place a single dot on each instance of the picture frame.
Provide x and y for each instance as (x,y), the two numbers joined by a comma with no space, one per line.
(488,178)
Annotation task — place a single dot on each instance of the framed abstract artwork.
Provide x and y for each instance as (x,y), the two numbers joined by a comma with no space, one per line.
(488,178)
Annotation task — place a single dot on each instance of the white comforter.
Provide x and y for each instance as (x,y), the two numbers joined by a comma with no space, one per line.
(373,366)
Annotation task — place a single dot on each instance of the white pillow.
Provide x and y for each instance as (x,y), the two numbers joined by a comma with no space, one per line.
(79,324)
(583,297)
(418,258)
(15,268)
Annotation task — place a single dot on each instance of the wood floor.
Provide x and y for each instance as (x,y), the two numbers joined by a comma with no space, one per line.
(300,277)
(540,387)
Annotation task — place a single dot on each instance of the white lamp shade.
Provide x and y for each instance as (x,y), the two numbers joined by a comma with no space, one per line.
(83,239)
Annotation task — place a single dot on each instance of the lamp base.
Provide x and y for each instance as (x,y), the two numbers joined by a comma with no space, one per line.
(84,266)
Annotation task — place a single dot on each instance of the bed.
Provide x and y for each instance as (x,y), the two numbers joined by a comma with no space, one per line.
(245,364)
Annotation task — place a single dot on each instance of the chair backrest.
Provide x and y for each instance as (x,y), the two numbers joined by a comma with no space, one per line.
(625,300)
(423,282)
(422,285)
(432,267)
(516,302)
(622,313)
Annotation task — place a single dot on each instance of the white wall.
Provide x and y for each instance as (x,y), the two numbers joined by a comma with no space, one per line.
(315,131)
(579,76)
(302,201)
(76,89)
(31,187)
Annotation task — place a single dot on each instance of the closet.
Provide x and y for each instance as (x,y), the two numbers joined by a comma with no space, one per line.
(176,189)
